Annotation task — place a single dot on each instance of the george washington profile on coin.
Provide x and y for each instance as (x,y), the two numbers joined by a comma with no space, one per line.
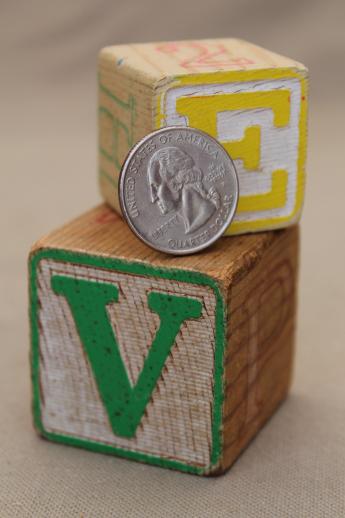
(177,186)
(178,190)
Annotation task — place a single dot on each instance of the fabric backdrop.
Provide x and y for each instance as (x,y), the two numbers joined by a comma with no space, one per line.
(296,466)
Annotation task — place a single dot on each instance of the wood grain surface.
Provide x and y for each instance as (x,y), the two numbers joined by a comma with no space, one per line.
(259,357)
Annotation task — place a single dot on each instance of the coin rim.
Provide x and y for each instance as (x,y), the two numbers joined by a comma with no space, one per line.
(126,214)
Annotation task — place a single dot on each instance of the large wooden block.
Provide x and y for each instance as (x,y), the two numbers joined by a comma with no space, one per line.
(252,100)
(175,361)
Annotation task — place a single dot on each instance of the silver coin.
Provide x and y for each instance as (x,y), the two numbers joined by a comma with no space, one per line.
(178,190)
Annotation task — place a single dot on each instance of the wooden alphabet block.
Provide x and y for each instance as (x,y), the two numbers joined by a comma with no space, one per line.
(174,361)
(252,100)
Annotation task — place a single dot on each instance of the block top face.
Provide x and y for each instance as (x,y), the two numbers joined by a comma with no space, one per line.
(162,60)
(101,232)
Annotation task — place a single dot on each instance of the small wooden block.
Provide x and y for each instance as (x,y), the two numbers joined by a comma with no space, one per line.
(174,361)
(252,100)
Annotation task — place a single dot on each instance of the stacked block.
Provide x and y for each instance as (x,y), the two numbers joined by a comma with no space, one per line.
(254,102)
(176,361)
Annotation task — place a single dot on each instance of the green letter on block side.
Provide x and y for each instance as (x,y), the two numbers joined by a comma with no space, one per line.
(87,299)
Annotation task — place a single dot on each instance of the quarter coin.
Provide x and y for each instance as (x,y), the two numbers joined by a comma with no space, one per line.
(178,190)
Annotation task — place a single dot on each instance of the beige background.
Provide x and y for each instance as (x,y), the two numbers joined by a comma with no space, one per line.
(296,466)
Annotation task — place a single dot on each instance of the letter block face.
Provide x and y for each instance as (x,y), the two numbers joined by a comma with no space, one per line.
(166,361)
(119,367)
(252,100)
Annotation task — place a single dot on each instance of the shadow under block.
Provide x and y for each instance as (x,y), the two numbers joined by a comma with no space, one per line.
(254,102)
(174,361)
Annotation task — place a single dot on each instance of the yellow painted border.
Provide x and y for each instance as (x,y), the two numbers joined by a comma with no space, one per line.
(239,227)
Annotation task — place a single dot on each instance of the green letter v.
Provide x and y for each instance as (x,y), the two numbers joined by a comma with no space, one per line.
(125,405)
